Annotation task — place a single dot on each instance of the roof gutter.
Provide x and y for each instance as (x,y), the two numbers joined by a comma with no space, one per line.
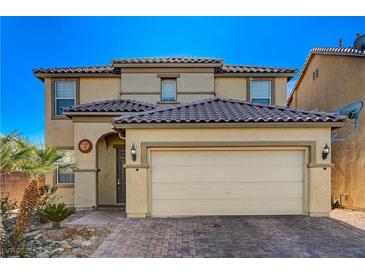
(70,114)
(256,74)
(231,125)
(168,65)
(41,76)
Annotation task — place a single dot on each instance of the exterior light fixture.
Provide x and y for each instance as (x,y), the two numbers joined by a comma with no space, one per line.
(134,152)
(325,152)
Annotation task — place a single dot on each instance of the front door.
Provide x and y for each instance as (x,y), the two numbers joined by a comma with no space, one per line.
(121,176)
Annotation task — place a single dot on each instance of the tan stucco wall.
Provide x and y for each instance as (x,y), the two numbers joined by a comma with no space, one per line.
(280,91)
(341,81)
(57,132)
(99,89)
(146,86)
(231,87)
(236,88)
(96,175)
(60,132)
(66,194)
(107,166)
(86,178)
(138,178)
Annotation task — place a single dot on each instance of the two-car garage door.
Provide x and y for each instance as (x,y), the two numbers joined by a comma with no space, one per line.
(227,182)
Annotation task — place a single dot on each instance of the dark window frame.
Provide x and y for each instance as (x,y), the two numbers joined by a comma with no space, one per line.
(161,93)
(53,96)
(272,80)
(58,182)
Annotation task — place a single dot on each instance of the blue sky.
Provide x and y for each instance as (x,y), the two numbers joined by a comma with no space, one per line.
(34,42)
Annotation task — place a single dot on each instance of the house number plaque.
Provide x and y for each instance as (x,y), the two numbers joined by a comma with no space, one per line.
(85,146)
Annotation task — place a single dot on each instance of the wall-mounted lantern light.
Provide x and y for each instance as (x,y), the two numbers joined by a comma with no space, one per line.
(325,152)
(134,152)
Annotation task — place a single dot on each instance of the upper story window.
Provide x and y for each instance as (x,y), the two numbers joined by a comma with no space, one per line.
(65,95)
(168,90)
(261,91)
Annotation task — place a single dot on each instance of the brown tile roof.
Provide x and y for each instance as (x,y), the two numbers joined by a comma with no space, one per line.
(117,105)
(218,63)
(169,60)
(349,51)
(87,69)
(253,69)
(218,110)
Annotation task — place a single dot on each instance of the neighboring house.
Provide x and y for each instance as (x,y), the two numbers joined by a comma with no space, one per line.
(186,136)
(330,79)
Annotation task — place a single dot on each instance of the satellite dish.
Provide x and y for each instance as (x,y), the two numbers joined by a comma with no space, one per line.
(352,112)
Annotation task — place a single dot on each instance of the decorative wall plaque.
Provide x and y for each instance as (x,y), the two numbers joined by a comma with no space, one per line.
(85,146)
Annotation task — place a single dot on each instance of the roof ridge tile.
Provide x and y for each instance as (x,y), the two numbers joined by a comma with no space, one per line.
(111,105)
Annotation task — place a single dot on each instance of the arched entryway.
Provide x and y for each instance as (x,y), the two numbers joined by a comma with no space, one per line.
(111,186)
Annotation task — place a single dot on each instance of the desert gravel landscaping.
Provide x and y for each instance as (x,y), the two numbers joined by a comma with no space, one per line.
(351,217)
(65,242)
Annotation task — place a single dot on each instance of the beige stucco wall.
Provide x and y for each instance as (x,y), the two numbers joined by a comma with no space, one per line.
(280,91)
(86,177)
(138,176)
(57,132)
(65,194)
(99,89)
(96,174)
(341,81)
(236,88)
(146,86)
(231,87)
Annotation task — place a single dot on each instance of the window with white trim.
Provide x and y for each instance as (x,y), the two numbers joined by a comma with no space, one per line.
(260,91)
(168,90)
(66,175)
(65,95)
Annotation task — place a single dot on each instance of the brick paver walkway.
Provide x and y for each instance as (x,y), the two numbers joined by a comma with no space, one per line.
(239,236)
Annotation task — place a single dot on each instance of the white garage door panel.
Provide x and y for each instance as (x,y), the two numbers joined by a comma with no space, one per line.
(225,190)
(223,207)
(227,182)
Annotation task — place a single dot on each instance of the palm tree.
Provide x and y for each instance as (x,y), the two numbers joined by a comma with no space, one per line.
(14,151)
(17,155)
(42,160)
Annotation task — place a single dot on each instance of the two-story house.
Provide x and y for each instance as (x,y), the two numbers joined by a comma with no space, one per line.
(331,78)
(187,136)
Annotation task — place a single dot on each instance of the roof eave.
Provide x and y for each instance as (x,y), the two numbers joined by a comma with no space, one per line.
(230,125)
(92,113)
(301,74)
(289,75)
(167,65)
(42,76)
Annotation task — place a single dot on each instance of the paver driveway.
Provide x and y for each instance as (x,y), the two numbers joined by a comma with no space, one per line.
(233,236)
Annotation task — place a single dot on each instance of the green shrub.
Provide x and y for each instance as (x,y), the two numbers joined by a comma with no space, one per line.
(47,196)
(56,213)
(6,207)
